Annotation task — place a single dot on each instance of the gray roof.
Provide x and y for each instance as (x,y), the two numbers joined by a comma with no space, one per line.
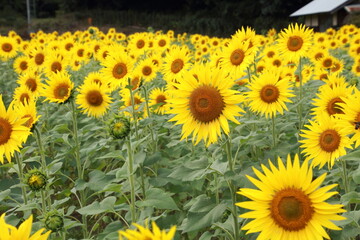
(320,6)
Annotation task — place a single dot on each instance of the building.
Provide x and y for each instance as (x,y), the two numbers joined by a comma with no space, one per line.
(323,14)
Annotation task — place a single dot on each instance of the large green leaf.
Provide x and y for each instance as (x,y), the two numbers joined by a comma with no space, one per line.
(158,198)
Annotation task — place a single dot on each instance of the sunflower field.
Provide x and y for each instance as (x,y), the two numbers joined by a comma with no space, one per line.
(161,136)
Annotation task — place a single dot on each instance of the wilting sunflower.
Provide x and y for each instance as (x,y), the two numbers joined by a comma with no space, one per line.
(288,204)
(21,64)
(204,104)
(295,41)
(158,101)
(325,140)
(94,99)
(144,233)
(268,94)
(58,88)
(12,131)
(32,81)
(9,232)
(8,47)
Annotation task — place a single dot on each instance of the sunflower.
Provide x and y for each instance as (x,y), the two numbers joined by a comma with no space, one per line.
(203,104)
(27,111)
(295,41)
(351,117)
(32,81)
(8,47)
(158,101)
(21,64)
(148,69)
(288,204)
(268,94)
(23,94)
(12,131)
(325,140)
(356,69)
(58,88)
(127,103)
(176,62)
(117,67)
(94,99)
(162,41)
(37,56)
(138,43)
(22,232)
(144,233)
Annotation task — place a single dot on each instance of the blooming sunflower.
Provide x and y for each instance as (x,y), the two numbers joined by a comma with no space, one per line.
(12,131)
(27,111)
(268,94)
(127,104)
(325,140)
(58,88)
(21,64)
(203,104)
(54,63)
(158,101)
(144,233)
(288,204)
(37,56)
(32,81)
(22,232)
(94,99)
(8,47)
(295,41)
(23,94)
(176,62)
(148,69)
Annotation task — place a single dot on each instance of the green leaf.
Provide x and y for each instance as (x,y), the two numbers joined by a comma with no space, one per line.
(4,194)
(158,198)
(96,208)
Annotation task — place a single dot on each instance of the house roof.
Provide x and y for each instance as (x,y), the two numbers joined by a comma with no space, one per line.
(321,6)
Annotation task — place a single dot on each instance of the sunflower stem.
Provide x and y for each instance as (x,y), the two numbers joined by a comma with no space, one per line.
(150,126)
(273,131)
(41,150)
(133,111)
(21,176)
(345,176)
(78,163)
(131,179)
(43,202)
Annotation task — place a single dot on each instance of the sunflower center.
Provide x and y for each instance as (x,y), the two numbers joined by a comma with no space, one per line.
(56,66)
(119,70)
(206,104)
(105,53)
(319,55)
(23,65)
(7,47)
(295,43)
(5,131)
(291,209)
(94,98)
(162,42)
(332,107)
(177,65)
(329,140)
(135,83)
(277,63)
(61,91)
(39,58)
(24,98)
(30,120)
(270,54)
(161,99)
(80,52)
(146,70)
(31,84)
(68,46)
(140,43)
(237,57)
(327,63)
(336,67)
(269,93)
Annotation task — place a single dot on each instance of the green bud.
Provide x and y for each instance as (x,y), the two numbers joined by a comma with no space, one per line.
(36,180)
(54,221)
(120,127)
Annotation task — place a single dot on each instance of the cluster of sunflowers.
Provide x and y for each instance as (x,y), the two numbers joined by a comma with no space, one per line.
(202,83)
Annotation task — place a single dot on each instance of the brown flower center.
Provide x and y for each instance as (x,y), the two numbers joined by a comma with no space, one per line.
(119,70)
(332,107)
(177,65)
(56,66)
(270,54)
(146,70)
(68,46)
(291,209)
(161,99)
(162,42)
(61,91)
(295,43)
(94,98)
(23,65)
(31,84)
(327,63)
(29,122)
(7,47)
(135,82)
(269,93)
(237,57)
(140,43)
(206,104)
(24,98)
(277,63)
(5,131)
(39,58)
(329,140)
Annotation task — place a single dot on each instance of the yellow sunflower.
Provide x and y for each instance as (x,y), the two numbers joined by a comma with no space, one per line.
(176,62)
(54,62)
(23,94)
(204,104)
(32,81)
(21,64)
(58,88)
(289,204)
(127,104)
(148,69)
(27,111)
(8,47)
(12,131)
(268,94)
(295,41)
(356,68)
(9,232)
(144,233)
(158,101)
(325,141)
(37,56)
(94,99)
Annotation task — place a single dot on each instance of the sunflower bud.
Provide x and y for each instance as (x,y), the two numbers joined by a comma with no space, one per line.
(54,221)
(36,180)
(120,127)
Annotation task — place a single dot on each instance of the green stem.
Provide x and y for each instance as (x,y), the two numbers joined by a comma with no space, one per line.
(43,202)
(150,127)
(41,150)
(273,131)
(131,179)
(300,94)
(134,114)
(345,176)
(78,163)
(229,155)
(21,176)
